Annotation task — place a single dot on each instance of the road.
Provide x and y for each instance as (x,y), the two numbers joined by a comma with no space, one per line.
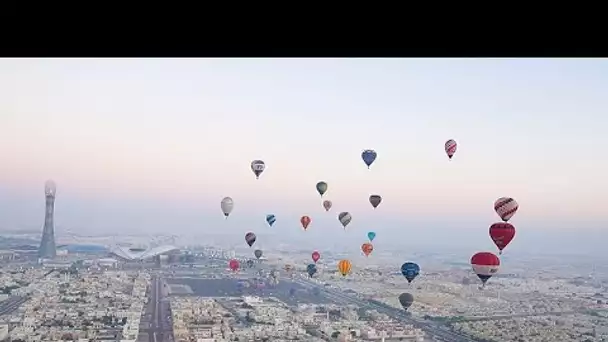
(160,327)
(432,329)
(11,304)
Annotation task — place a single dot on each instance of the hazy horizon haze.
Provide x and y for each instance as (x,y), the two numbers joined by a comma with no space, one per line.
(153,145)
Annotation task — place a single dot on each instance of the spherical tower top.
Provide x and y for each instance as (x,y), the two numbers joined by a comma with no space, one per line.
(50,188)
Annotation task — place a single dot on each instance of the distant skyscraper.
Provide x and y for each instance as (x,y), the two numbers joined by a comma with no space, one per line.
(47,248)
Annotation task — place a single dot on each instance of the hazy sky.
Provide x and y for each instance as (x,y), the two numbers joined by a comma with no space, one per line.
(154,145)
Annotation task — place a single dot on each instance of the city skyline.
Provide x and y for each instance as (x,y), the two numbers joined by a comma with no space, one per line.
(150,144)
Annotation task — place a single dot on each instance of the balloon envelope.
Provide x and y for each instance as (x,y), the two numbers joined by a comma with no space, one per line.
(344,267)
(316,256)
(327,205)
(271,219)
(227,205)
(305,221)
(410,271)
(250,238)
(502,233)
(311,269)
(344,218)
(375,200)
(406,300)
(234,264)
(322,188)
(258,166)
(367,248)
(506,207)
(450,148)
(371,236)
(258,253)
(485,265)
(368,156)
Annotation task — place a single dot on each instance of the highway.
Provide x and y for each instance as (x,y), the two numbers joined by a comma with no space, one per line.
(160,327)
(11,304)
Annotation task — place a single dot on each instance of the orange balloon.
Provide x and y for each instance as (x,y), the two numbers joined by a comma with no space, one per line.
(344,266)
(305,220)
(367,248)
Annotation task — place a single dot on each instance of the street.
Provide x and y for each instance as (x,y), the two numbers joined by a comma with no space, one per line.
(157,317)
(11,304)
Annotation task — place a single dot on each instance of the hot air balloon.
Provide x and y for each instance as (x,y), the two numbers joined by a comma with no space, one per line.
(344,267)
(406,300)
(322,188)
(305,220)
(344,218)
(292,292)
(502,233)
(234,265)
(485,265)
(375,200)
(258,253)
(410,271)
(371,236)
(227,206)
(316,256)
(327,205)
(368,157)
(311,269)
(506,207)
(367,248)
(258,166)
(250,238)
(450,148)
(250,263)
(271,219)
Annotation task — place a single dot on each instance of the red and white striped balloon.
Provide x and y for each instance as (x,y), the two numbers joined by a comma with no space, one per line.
(450,148)
(506,207)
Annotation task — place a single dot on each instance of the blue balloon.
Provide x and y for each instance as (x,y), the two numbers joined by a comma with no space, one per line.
(410,271)
(311,269)
(270,218)
(368,157)
(371,236)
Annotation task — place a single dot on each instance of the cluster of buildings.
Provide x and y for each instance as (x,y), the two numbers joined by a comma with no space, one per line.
(507,309)
(248,318)
(92,306)
(252,318)
(571,328)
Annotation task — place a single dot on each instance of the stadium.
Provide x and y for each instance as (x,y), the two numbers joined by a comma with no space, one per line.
(140,254)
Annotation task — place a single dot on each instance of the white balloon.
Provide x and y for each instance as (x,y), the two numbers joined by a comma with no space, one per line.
(227,205)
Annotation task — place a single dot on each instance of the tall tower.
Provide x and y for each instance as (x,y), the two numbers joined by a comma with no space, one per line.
(47,243)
